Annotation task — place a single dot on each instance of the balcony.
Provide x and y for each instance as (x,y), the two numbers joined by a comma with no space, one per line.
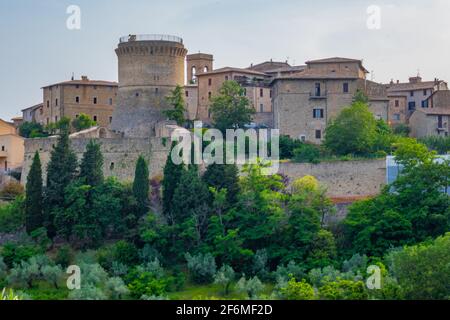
(318,95)
(150,37)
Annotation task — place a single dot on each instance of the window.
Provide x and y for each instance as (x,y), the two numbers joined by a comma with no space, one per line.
(111,166)
(194,72)
(187,93)
(48,121)
(397,103)
(95,100)
(226,78)
(209,82)
(439,121)
(77,99)
(110,101)
(95,118)
(411,94)
(261,107)
(397,116)
(318,113)
(261,93)
(245,92)
(137,94)
(425,104)
(56,102)
(3,148)
(56,118)
(411,105)
(110,119)
(425,91)
(205,69)
(48,104)
(77,86)
(302,138)
(317,90)
(77,116)
(209,95)
(318,134)
(271,93)
(345,87)
(156,90)
(209,113)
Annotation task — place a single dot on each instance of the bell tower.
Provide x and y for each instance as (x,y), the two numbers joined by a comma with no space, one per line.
(198,63)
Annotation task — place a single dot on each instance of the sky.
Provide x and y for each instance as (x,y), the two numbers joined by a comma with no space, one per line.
(37,48)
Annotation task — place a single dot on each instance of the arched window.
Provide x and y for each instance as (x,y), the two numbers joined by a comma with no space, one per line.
(205,69)
(194,73)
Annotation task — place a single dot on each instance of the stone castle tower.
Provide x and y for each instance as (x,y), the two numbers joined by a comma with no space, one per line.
(150,66)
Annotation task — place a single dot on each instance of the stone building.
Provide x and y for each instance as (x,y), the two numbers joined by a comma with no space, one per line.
(30,114)
(439,99)
(416,92)
(11,148)
(398,110)
(305,102)
(256,85)
(69,99)
(425,122)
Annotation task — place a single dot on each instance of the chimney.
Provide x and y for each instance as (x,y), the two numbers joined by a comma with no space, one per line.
(392,81)
(398,81)
(84,78)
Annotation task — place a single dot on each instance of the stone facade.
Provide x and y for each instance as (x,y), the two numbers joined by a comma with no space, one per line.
(305,103)
(11,148)
(198,63)
(343,179)
(398,110)
(256,88)
(430,122)
(69,99)
(150,67)
(120,154)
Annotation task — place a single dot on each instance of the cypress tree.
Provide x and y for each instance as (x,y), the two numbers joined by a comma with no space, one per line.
(172,176)
(141,184)
(61,171)
(223,176)
(91,169)
(34,217)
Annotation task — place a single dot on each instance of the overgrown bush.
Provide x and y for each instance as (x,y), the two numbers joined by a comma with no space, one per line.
(202,267)
(12,190)
(307,153)
(343,290)
(12,216)
(297,290)
(252,287)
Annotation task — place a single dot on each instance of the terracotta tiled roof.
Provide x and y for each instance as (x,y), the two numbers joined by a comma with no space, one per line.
(85,82)
(230,69)
(337,60)
(269,65)
(36,106)
(435,111)
(411,86)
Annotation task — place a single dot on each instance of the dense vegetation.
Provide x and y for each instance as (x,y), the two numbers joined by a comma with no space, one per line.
(219,234)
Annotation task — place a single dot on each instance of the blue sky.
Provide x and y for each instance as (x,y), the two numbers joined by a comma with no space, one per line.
(37,49)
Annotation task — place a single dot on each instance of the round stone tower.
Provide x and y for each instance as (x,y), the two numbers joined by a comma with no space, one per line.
(150,66)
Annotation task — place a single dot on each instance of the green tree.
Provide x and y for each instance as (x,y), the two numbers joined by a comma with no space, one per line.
(31,130)
(83,122)
(343,290)
(223,176)
(172,176)
(91,168)
(34,217)
(61,171)
(176,100)
(297,290)
(225,276)
(423,270)
(352,132)
(141,185)
(231,109)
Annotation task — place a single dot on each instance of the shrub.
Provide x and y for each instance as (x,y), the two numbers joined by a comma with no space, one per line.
(12,216)
(146,284)
(126,253)
(343,290)
(260,267)
(87,292)
(252,287)
(64,256)
(284,273)
(14,253)
(225,276)
(297,290)
(287,147)
(12,190)
(116,288)
(307,153)
(202,267)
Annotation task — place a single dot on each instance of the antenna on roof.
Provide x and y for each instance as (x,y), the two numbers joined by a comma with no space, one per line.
(73,76)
